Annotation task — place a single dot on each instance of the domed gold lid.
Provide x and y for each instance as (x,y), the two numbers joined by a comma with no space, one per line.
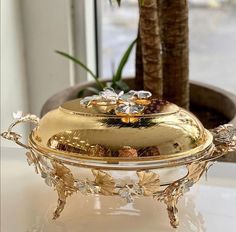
(111,126)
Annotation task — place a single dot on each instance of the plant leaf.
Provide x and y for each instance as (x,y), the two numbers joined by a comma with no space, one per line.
(109,84)
(124,59)
(91,89)
(141,2)
(113,69)
(121,85)
(100,85)
(118,2)
(80,93)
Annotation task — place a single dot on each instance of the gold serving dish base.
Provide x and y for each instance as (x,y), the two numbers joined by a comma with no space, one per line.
(165,180)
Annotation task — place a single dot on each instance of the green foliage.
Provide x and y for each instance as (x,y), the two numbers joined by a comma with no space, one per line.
(82,65)
(118,2)
(116,83)
(123,61)
(90,89)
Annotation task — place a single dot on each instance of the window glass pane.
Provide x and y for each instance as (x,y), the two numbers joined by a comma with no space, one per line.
(212,39)
(119,29)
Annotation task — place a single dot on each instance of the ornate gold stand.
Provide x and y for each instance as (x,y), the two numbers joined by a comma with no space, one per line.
(59,176)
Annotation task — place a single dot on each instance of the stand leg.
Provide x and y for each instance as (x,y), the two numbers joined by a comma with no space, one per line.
(63,182)
(60,188)
(171,203)
(174,191)
(59,209)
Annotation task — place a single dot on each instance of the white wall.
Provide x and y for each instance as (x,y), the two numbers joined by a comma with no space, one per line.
(31,31)
(31,70)
(47,27)
(14,93)
(84,37)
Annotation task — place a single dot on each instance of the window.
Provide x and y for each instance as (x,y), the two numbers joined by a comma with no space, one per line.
(212,39)
(119,29)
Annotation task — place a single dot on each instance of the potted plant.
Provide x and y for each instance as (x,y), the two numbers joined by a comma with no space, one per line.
(162,66)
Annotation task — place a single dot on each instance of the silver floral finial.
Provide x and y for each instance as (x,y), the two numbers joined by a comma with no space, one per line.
(224,133)
(129,108)
(126,103)
(110,95)
(18,114)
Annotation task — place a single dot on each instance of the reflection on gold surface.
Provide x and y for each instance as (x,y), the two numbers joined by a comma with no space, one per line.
(73,130)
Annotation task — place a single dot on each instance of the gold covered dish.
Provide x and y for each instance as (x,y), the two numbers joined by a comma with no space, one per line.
(126,144)
(97,132)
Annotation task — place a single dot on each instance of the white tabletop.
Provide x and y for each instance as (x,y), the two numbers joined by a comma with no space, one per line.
(27,204)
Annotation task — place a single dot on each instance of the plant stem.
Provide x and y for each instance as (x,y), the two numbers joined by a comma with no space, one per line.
(151,47)
(174,33)
(139,63)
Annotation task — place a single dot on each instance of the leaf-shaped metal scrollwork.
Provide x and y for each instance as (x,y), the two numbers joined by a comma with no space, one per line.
(60,188)
(57,175)
(195,171)
(63,182)
(63,173)
(175,190)
(105,182)
(13,136)
(223,134)
(149,182)
(224,139)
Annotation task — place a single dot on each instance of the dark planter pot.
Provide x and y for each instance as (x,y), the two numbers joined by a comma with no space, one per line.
(213,106)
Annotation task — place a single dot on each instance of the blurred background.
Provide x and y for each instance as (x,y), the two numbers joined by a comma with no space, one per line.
(98,33)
